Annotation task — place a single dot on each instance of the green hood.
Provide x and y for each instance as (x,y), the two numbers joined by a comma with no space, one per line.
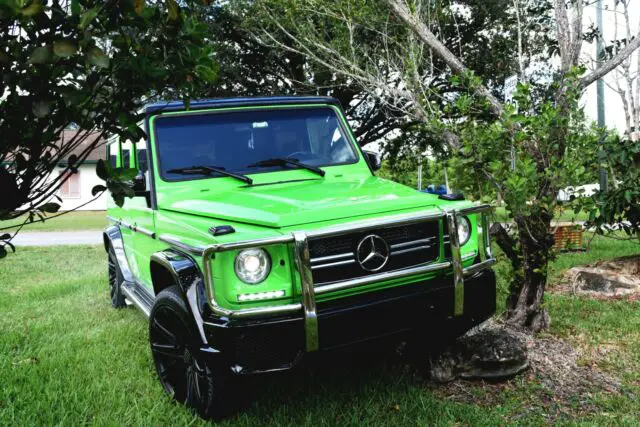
(297,203)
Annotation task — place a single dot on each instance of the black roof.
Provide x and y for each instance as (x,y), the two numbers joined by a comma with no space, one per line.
(238,102)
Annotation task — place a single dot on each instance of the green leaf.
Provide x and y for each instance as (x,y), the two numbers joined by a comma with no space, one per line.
(75,7)
(125,174)
(97,57)
(102,170)
(64,48)
(98,189)
(31,10)
(138,5)
(41,108)
(3,252)
(5,236)
(50,207)
(174,9)
(87,17)
(40,55)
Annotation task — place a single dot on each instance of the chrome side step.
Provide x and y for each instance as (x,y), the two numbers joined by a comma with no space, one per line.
(139,296)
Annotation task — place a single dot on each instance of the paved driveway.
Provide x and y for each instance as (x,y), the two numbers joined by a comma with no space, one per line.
(53,238)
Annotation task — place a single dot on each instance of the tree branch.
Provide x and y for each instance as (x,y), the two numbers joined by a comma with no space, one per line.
(456,65)
(611,64)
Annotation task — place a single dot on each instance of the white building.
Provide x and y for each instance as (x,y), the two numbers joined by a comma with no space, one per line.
(76,190)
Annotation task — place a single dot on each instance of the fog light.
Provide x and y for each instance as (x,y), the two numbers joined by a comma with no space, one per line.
(260,296)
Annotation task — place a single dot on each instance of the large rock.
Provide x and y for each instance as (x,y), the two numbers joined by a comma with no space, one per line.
(490,352)
(606,278)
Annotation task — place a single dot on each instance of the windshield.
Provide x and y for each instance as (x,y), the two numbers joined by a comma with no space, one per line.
(236,141)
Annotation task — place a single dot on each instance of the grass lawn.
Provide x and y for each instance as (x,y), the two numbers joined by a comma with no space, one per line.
(67,357)
(73,221)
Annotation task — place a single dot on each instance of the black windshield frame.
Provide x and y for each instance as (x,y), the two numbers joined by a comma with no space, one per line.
(348,135)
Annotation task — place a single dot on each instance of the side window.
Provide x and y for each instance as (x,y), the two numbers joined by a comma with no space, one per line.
(141,156)
(113,153)
(126,148)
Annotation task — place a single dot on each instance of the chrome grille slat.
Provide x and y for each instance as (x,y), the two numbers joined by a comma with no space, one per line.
(333,264)
(411,243)
(405,251)
(331,257)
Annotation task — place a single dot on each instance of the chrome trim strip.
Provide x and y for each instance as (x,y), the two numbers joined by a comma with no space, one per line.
(468,256)
(323,289)
(404,251)
(133,227)
(474,209)
(253,243)
(413,242)
(194,250)
(265,311)
(333,264)
(469,271)
(331,257)
(308,294)
(456,261)
(128,292)
(144,231)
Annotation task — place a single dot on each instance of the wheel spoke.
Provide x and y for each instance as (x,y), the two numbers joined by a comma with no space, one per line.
(191,391)
(169,350)
(164,332)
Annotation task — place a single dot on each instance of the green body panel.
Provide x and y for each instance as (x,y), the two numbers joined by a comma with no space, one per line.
(268,208)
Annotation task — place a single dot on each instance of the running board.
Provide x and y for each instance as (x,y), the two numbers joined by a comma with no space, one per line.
(139,296)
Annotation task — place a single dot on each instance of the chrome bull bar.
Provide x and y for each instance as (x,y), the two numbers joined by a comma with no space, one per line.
(300,239)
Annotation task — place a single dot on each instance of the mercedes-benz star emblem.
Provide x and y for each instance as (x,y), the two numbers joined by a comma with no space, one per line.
(372,253)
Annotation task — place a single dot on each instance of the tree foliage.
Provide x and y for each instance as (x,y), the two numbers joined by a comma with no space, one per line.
(90,64)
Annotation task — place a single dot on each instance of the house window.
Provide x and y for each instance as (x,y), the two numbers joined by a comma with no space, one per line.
(70,188)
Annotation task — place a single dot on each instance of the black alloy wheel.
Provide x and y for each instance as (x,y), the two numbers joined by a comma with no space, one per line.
(115,281)
(185,374)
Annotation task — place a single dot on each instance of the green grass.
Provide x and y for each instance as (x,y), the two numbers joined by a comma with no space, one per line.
(67,357)
(72,221)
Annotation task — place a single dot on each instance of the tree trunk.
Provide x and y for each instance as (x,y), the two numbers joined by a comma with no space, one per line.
(524,304)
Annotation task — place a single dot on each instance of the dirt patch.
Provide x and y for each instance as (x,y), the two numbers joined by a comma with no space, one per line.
(613,279)
(558,385)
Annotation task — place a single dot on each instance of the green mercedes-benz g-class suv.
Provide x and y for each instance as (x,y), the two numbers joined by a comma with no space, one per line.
(260,234)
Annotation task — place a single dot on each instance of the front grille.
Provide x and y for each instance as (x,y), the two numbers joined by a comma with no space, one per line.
(334,259)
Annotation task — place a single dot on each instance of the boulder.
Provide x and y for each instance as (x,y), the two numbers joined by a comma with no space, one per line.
(490,352)
(612,278)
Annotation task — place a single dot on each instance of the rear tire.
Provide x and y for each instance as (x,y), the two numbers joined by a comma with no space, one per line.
(185,373)
(115,280)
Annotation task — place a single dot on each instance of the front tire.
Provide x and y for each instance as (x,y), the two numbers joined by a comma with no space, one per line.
(115,280)
(189,377)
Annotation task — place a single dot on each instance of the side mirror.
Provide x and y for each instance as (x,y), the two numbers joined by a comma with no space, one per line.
(140,185)
(374,160)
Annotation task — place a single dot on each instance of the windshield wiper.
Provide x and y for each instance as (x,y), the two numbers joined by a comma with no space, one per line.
(284,161)
(208,170)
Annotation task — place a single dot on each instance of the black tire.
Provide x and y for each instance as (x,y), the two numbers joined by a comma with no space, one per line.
(189,377)
(115,280)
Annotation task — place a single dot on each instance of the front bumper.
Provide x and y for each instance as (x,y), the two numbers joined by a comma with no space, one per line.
(249,346)
(298,325)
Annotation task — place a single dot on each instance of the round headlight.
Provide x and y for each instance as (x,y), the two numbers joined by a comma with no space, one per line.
(464,230)
(252,265)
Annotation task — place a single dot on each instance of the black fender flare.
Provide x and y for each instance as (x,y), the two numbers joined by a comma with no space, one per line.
(185,273)
(113,237)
